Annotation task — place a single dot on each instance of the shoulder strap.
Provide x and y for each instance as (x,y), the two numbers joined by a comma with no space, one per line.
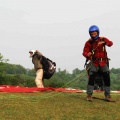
(104,48)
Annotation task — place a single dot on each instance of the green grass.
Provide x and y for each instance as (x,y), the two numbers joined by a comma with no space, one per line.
(57,106)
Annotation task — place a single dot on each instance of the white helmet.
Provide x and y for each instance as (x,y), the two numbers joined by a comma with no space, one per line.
(32,52)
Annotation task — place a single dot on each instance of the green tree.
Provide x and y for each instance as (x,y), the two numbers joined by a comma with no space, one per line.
(2,61)
(2,68)
(31,72)
(14,69)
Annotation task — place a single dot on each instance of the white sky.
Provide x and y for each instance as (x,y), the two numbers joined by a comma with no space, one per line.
(57,28)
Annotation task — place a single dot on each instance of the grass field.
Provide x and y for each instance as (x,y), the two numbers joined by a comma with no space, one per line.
(57,106)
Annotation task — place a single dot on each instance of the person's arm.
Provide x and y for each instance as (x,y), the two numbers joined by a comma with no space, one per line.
(106,42)
(86,50)
(39,55)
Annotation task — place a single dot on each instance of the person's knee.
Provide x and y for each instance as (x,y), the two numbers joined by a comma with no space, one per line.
(92,73)
(106,75)
(92,76)
(39,74)
(39,78)
(106,78)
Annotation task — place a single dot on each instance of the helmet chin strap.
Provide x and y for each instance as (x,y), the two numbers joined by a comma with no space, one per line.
(95,38)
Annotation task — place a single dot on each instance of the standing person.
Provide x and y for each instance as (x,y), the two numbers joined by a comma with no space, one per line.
(95,51)
(36,60)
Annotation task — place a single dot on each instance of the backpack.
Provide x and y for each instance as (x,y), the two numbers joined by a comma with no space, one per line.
(49,67)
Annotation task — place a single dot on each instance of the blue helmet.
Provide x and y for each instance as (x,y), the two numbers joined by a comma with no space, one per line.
(94,28)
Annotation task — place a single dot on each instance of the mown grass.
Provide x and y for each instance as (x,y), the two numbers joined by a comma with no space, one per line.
(57,106)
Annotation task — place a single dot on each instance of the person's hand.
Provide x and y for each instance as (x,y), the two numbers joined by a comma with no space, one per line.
(101,42)
(89,54)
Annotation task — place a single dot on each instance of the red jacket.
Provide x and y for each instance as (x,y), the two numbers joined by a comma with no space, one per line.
(99,54)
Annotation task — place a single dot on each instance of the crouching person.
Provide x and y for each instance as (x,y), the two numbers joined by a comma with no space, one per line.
(36,60)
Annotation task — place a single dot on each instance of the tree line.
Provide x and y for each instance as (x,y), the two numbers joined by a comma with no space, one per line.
(13,74)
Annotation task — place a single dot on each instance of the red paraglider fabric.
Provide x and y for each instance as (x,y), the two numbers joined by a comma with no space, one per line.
(18,89)
(9,88)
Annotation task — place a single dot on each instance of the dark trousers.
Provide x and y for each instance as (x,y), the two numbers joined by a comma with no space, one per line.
(106,78)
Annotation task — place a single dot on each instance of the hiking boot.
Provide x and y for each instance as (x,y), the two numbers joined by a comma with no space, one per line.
(109,99)
(89,97)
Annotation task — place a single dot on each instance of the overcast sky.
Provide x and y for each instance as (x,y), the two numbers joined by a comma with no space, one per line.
(58,29)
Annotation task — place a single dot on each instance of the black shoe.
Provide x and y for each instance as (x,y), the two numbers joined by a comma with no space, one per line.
(89,98)
(109,99)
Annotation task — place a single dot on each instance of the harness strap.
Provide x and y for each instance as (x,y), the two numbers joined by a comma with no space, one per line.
(100,59)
